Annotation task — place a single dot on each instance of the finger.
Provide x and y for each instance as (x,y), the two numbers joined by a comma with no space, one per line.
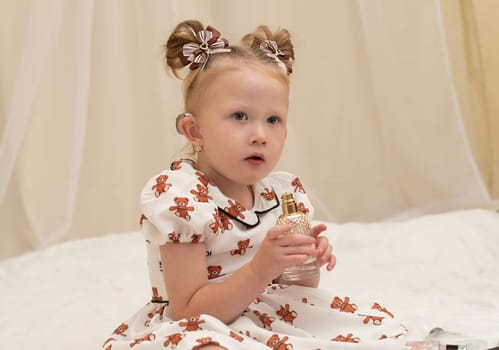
(318,229)
(279,231)
(321,243)
(289,240)
(324,257)
(307,250)
(332,262)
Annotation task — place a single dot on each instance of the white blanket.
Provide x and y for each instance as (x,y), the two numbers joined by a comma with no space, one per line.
(433,271)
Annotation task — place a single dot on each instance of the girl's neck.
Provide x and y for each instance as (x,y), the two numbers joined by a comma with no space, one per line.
(243,194)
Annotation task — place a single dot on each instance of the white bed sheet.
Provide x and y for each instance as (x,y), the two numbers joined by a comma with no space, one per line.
(433,271)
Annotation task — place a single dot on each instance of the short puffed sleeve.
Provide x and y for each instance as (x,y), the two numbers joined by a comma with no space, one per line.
(177,208)
(284,182)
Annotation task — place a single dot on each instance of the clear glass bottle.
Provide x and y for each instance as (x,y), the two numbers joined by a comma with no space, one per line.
(301,225)
(447,340)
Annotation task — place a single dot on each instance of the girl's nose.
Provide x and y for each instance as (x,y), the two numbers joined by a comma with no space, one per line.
(258,135)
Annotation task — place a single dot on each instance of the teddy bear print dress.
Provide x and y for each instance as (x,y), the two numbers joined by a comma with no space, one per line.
(181,205)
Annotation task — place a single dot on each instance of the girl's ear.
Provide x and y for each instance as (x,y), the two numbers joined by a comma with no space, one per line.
(187,125)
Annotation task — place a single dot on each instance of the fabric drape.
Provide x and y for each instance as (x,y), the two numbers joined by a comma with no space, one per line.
(392,110)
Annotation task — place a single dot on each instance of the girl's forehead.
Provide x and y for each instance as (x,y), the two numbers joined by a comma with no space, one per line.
(226,73)
(241,74)
(226,65)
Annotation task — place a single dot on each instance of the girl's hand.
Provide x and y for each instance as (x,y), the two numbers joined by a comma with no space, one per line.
(280,249)
(324,249)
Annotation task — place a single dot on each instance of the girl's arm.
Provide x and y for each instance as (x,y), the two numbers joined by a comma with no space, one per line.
(185,274)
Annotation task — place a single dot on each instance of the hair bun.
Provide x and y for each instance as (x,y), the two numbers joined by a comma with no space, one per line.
(184,33)
(276,45)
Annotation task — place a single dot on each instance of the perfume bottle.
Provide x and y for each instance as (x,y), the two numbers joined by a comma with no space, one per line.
(436,345)
(448,340)
(301,225)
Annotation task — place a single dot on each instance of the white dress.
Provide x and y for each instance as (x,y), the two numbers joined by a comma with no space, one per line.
(182,205)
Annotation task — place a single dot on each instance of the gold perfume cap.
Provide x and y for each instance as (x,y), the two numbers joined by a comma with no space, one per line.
(288,204)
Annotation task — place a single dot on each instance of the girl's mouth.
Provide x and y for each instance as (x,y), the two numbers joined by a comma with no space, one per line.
(255,159)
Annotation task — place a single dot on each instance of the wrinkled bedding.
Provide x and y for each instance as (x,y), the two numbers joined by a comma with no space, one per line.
(435,271)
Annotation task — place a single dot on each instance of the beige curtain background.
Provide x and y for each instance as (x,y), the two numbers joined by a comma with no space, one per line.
(394,109)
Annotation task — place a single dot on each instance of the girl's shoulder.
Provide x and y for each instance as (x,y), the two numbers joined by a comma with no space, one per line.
(177,205)
(283,181)
(179,182)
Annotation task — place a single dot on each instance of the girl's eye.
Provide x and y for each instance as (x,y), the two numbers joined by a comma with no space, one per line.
(240,116)
(273,120)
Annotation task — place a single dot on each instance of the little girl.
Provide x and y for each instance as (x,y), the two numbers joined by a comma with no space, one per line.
(215,253)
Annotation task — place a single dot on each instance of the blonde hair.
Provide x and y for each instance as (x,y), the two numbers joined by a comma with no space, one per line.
(246,53)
